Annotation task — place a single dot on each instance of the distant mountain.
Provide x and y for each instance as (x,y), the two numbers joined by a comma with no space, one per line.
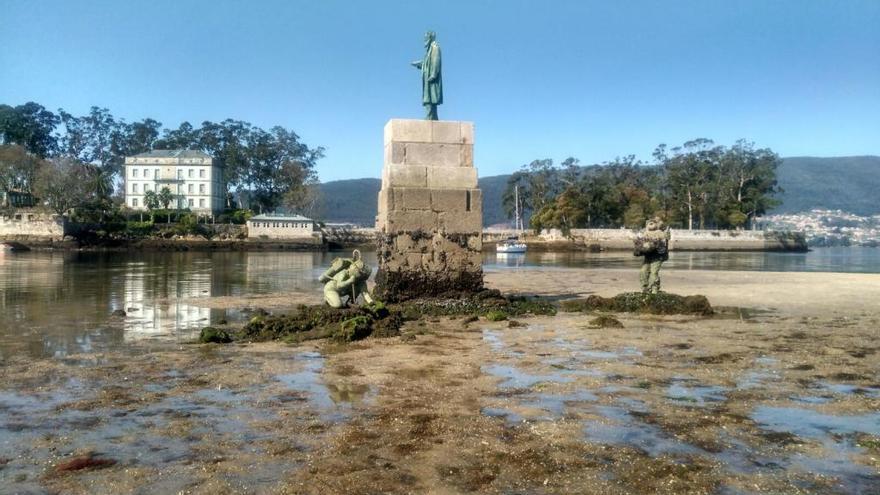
(356,200)
(848,183)
(843,183)
(350,201)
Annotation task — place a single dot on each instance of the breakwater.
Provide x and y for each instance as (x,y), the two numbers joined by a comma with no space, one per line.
(234,238)
(681,240)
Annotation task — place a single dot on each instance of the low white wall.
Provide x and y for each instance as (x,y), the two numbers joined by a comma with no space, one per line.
(687,240)
(29,224)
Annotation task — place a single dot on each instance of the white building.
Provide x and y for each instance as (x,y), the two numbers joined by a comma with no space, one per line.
(281,226)
(191,176)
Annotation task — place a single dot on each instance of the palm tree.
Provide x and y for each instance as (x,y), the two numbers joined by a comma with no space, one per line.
(151,201)
(166,197)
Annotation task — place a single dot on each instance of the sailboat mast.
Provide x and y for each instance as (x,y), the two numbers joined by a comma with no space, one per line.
(516,207)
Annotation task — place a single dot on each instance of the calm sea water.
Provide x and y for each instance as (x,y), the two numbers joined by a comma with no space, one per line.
(59,303)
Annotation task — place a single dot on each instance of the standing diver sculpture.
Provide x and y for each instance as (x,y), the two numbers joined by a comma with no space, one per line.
(653,244)
(432,80)
(346,277)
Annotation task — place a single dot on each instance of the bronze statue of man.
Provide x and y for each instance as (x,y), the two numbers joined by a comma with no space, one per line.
(432,81)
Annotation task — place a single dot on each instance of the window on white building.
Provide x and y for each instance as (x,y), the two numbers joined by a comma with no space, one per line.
(146,187)
(201,203)
(134,188)
(134,172)
(156,173)
(202,188)
(180,173)
(191,203)
(191,173)
(190,188)
(134,202)
(202,173)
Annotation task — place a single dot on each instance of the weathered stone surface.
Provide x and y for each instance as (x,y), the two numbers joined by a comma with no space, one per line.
(452,177)
(404,176)
(460,222)
(395,153)
(410,221)
(433,154)
(412,198)
(443,131)
(467,132)
(467,155)
(408,130)
(449,200)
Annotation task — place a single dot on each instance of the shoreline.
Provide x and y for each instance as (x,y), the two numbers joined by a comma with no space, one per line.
(782,398)
(536,245)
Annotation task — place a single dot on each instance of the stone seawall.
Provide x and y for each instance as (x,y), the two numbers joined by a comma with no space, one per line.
(23,225)
(682,240)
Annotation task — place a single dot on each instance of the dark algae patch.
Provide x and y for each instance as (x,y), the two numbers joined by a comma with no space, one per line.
(83,462)
(378,319)
(214,335)
(316,322)
(663,303)
(605,321)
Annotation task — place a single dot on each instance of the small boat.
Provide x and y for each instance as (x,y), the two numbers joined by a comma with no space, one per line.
(511,245)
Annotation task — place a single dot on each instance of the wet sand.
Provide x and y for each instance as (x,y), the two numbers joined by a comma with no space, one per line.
(779,396)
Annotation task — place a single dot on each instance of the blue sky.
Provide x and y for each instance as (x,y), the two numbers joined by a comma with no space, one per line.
(546,79)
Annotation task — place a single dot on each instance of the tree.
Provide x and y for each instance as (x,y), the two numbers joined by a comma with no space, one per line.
(690,175)
(18,168)
(183,138)
(166,197)
(281,168)
(135,138)
(536,184)
(30,126)
(64,184)
(152,202)
(512,200)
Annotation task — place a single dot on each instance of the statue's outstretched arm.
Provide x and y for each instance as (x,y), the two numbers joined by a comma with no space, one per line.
(417,64)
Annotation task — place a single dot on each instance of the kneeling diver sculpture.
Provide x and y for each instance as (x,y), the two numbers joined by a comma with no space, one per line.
(346,277)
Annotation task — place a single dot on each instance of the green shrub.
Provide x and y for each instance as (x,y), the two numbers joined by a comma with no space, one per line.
(138,229)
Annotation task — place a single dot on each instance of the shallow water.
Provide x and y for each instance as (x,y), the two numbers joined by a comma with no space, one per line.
(169,420)
(55,304)
(620,416)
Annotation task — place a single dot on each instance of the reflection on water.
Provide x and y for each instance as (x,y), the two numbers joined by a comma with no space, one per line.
(60,303)
(850,260)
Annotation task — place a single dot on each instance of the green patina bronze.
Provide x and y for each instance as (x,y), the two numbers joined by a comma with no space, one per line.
(346,277)
(653,244)
(432,80)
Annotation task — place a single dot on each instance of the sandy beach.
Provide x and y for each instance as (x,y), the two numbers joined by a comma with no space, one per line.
(778,393)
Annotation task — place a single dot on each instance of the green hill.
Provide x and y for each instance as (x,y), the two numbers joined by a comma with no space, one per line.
(848,183)
(841,183)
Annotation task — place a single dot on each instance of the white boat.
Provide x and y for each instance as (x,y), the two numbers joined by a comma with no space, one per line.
(513,244)
(510,246)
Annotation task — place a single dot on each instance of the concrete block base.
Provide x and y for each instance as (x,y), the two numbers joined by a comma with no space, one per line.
(430,212)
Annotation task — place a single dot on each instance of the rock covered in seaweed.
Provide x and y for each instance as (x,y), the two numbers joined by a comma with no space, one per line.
(321,321)
(663,303)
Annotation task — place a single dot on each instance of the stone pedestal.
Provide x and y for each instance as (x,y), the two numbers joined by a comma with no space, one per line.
(430,218)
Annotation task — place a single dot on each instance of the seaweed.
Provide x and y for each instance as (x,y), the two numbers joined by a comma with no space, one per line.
(662,303)
(214,335)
